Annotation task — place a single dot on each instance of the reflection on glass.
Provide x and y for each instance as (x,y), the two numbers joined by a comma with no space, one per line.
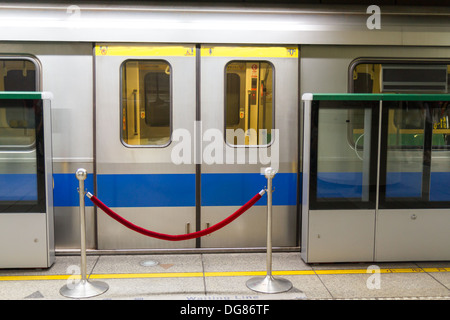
(406,123)
(20,154)
(343,173)
(19,122)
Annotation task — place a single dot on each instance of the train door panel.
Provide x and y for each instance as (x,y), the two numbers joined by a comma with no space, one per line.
(248,118)
(143,95)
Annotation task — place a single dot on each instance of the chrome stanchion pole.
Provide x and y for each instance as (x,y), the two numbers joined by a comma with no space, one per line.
(269,284)
(84,288)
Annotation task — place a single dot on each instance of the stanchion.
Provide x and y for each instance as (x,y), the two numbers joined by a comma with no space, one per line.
(84,288)
(269,284)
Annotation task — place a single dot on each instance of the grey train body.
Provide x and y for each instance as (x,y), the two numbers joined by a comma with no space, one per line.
(96,60)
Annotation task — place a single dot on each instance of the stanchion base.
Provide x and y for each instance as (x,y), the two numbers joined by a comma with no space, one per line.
(269,284)
(84,289)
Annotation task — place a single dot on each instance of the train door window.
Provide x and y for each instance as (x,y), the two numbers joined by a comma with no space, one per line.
(17,121)
(146,103)
(249,102)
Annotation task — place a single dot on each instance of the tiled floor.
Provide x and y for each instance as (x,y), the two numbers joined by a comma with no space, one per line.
(224,276)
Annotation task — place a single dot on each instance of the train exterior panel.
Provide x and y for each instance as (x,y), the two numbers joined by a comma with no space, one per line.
(149,99)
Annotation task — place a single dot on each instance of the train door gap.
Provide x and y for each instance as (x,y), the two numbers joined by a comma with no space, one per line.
(94,139)
(198,167)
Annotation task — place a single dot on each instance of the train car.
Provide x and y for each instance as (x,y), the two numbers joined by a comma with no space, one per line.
(174,109)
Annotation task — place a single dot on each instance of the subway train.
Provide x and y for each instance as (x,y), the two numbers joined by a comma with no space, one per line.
(174,110)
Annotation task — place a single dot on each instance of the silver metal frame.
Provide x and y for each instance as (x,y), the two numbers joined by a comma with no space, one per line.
(306,154)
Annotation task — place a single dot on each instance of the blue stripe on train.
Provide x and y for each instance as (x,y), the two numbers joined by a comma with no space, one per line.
(147,190)
(65,192)
(175,190)
(235,189)
(226,189)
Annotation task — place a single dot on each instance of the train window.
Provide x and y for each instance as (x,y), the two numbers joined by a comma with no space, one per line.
(146,103)
(249,102)
(397,76)
(17,121)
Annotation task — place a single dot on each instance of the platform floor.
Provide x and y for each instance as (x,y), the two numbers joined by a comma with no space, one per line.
(223,277)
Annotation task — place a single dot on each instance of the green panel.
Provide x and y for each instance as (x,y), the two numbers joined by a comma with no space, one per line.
(383,97)
(347,96)
(416,97)
(20,95)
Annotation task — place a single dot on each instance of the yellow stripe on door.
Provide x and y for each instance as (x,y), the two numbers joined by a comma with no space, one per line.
(144,50)
(249,52)
(189,51)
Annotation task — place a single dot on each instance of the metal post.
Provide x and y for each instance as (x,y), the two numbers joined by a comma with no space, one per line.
(269,284)
(84,288)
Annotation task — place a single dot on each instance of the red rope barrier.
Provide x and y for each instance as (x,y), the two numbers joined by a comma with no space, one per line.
(179,237)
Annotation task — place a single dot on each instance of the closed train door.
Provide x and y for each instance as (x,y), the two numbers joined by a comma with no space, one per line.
(144,93)
(183,134)
(249,121)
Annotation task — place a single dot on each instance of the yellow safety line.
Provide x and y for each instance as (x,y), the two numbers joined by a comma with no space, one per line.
(221,274)
(147,275)
(234,273)
(48,277)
